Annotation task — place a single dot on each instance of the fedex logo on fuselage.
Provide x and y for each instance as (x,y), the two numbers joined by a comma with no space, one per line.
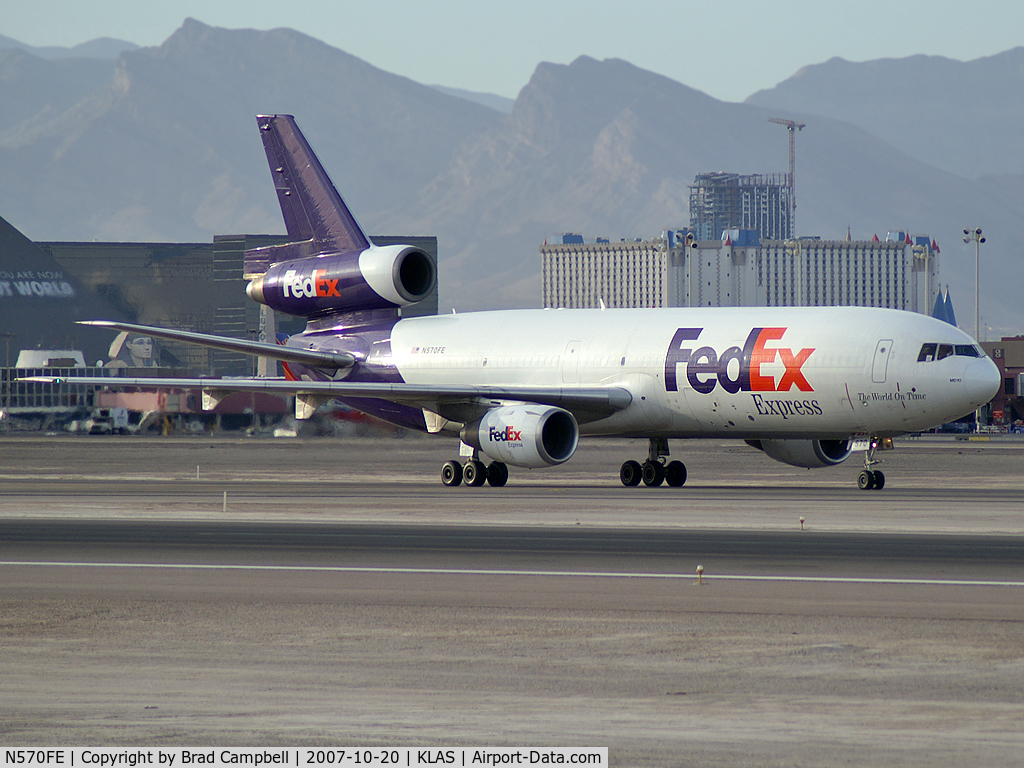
(706,368)
(309,287)
(506,435)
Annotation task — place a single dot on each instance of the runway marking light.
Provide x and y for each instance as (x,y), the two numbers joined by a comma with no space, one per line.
(700,574)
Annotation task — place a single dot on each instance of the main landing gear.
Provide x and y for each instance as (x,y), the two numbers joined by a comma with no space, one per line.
(654,471)
(872,479)
(474,473)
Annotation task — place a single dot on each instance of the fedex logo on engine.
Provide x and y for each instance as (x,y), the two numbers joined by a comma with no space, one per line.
(706,368)
(506,435)
(310,287)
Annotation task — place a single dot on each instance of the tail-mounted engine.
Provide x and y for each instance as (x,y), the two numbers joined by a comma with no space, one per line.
(810,454)
(530,436)
(382,277)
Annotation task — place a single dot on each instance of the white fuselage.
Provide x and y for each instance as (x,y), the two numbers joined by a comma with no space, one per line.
(757,372)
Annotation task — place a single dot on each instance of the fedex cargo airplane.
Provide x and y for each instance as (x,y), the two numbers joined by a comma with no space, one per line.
(805,385)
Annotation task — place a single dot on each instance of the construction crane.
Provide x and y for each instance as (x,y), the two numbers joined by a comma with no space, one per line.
(792,127)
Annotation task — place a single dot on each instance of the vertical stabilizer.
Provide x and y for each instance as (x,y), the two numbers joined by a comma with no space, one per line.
(312,208)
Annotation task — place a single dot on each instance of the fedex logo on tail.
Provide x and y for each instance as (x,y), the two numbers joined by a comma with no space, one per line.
(706,368)
(317,284)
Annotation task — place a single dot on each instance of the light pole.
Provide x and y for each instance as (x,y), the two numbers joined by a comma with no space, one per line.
(975,235)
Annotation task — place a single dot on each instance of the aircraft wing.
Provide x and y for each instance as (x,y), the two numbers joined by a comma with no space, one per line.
(457,403)
(586,403)
(310,357)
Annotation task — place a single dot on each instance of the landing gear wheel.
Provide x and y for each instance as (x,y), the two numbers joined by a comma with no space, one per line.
(474,473)
(675,474)
(630,474)
(879,480)
(497,474)
(653,473)
(451,473)
(866,480)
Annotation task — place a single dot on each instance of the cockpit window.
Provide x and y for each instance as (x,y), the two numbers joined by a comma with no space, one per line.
(934,351)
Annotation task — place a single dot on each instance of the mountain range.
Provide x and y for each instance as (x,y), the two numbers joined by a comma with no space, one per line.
(161,144)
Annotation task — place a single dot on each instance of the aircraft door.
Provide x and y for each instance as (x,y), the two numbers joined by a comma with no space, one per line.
(571,363)
(880,364)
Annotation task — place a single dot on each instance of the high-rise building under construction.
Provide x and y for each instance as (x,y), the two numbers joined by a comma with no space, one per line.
(728,201)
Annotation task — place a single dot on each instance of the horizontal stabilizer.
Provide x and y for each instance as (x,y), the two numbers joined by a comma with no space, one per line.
(255,348)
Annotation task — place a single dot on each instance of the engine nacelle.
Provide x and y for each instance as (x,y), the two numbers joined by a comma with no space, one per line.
(377,278)
(531,436)
(811,454)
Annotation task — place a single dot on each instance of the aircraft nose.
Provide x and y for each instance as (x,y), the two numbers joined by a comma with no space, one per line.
(982,381)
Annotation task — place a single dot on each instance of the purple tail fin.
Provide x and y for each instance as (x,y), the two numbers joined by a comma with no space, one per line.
(312,208)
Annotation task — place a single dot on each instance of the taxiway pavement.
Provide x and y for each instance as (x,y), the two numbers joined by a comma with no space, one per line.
(345,596)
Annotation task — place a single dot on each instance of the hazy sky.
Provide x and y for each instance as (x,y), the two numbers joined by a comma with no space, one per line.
(727,48)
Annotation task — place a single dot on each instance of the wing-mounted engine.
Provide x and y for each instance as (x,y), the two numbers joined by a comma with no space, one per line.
(382,277)
(811,454)
(532,436)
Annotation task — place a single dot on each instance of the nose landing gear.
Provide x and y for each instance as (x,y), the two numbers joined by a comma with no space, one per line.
(872,479)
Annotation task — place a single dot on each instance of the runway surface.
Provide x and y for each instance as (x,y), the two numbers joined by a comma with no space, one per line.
(344,596)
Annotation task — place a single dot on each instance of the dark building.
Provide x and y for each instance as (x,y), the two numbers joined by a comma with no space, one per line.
(190,286)
(40,300)
(1008,404)
(46,287)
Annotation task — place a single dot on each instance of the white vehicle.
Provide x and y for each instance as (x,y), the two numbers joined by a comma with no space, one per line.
(102,421)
